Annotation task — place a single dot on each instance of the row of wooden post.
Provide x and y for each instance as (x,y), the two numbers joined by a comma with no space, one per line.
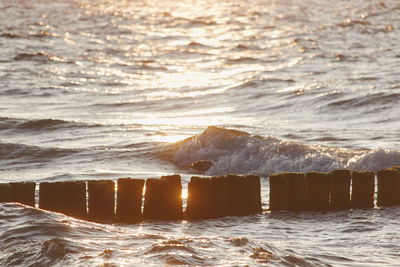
(95,200)
(336,190)
(208,197)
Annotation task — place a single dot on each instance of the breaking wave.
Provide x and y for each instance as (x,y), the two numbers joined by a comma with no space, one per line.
(239,152)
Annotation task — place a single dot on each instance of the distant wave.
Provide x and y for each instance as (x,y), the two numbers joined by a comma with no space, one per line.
(243,60)
(39,124)
(197,44)
(199,21)
(39,56)
(235,151)
(10,35)
(377,99)
(40,34)
(28,154)
(45,124)
(257,82)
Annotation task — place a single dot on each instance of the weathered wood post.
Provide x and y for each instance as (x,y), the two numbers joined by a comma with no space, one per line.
(340,195)
(253,194)
(363,188)
(101,200)
(296,186)
(5,192)
(388,187)
(50,196)
(219,196)
(172,197)
(318,190)
(199,204)
(74,199)
(279,197)
(288,191)
(68,198)
(23,192)
(237,195)
(154,195)
(129,200)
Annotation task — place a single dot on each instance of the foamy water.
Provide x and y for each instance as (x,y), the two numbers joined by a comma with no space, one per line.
(101,89)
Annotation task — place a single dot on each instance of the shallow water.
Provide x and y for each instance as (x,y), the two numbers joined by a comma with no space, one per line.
(103,89)
(33,237)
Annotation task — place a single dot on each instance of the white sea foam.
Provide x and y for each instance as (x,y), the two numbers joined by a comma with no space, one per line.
(239,152)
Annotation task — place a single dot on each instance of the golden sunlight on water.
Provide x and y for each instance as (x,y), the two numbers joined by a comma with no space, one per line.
(189,49)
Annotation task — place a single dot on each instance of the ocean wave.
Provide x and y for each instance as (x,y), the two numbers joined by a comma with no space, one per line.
(7,123)
(39,56)
(197,44)
(261,83)
(262,255)
(44,124)
(171,245)
(181,259)
(239,152)
(44,34)
(183,251)
(376,99)
(32,237)
(192,22)
(247,60)
(27,153)
(40,34)
(353,22)
(11,35)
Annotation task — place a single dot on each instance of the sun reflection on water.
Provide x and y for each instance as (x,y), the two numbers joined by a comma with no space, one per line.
(166,64)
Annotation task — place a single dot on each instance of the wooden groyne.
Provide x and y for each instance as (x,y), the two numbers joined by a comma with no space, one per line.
(128,202)
(317,191)
(230,195)
(66,197)
(336,190)
(133,200)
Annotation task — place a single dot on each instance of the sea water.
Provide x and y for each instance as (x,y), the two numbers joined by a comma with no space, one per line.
(102,89)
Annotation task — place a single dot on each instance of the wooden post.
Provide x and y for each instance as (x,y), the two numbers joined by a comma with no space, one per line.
(101,200)
(388,187)
(318,190)
(153,198)
(237,195)
(363,188)
(23,192)
(340,196)
(199,204)
(129,200)
(253,194)
(219,196)
(5,192)
(296,190)
(50,196)
(73,200)
(279,198)
(172,197)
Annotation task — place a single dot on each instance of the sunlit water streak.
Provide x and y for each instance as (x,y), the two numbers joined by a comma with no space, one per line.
(100,89)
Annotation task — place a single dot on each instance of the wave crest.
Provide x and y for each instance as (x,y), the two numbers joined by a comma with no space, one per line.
(239,152)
